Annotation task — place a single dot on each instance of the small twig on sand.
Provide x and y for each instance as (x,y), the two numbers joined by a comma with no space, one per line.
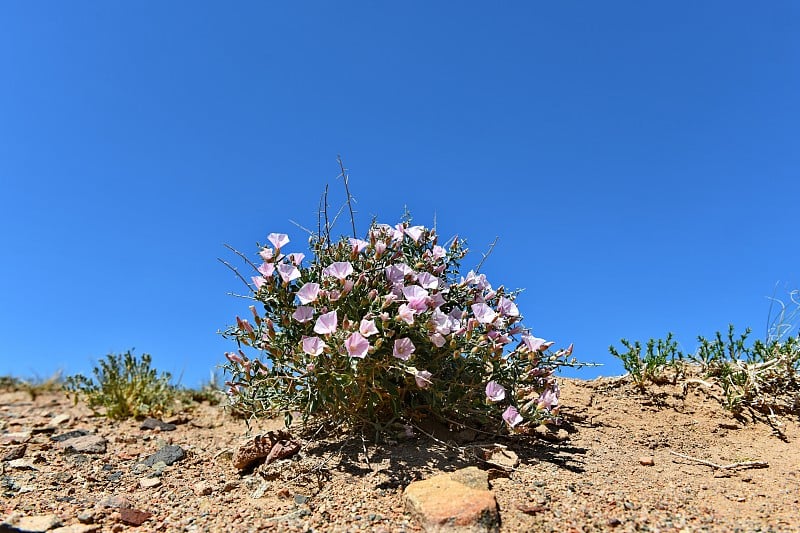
(731,466)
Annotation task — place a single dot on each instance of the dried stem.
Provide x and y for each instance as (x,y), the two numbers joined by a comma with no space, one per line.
(346,180)
(235,271)
(486,255)
(731,466)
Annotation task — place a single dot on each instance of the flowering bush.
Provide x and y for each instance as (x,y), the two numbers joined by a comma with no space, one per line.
(385,330)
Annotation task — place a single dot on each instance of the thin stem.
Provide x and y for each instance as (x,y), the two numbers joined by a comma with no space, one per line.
(346,180)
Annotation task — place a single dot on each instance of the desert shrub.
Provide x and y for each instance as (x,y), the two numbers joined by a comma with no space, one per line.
(764,375)
(124,386)
(385,330)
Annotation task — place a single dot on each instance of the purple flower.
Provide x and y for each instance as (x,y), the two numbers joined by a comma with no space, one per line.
(266,269)
(484,313)
(380,247)
(495,392)
(417,298)
(438,252)
(296,258)
(313,345)
(406,314)
(356,345)
(288,272)
(549,397)
(403,348)
(512,416)
(535,344)
(507,308)
(278,239)
(397,273)
(326,323)
(367,327)
(358,245)
(259,281)
(308,293)
(438,340)
(266,254)
(423,379)
(303,314)
(427,280)
(339,269)
(415,232)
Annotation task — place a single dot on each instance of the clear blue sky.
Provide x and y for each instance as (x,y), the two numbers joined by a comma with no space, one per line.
(639,161)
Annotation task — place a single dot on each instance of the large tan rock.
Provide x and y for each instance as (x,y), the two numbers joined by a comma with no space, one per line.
(457,501)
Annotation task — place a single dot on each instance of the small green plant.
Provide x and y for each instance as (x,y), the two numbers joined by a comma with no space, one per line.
(648,367)
(124,386)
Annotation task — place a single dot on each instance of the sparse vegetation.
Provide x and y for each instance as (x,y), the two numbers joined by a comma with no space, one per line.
(125,386)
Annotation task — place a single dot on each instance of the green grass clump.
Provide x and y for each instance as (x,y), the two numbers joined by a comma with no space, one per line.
(125,386)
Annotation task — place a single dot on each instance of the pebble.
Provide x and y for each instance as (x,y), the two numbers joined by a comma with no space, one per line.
(134,517)
(647,460)
(154,423)
(15,438)
(202,488)
(32,524)
(76,528)
(149,482)
(85,517)
(69,435)
(16,451)
(60,419)
(84,444)
(168,454)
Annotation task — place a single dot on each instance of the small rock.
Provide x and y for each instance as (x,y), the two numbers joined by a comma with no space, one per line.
(613,522)
(18,437)
(202,488)
(84,444)
(69,435)
(32,524)
(299,499)
(230,486)
(134,517)
(85,517)
(168,454)
(647,460)
(544,431)
(532,508)
(456,501)
(60,419)
(154,423)
(149,482)
(502,458)
(16,451)
(21,464)
(77,528)
(119,502)
(269,447)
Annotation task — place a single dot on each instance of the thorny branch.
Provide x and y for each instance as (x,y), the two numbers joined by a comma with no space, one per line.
(486,255)
(346,180)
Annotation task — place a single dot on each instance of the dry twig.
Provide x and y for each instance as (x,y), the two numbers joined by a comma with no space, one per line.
(731,466)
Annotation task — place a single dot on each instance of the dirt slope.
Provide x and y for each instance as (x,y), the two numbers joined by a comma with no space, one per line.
(593,480)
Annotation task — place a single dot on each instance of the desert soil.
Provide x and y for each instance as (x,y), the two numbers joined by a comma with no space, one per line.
(585,475)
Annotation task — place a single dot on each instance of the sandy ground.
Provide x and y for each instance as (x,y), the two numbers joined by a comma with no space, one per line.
(591,480)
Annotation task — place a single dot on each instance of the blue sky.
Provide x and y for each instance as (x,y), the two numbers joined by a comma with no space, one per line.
(638,161)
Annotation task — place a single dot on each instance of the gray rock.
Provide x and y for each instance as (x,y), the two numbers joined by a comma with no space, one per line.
(154,423)
(168,454)
(70,435)
(84,444)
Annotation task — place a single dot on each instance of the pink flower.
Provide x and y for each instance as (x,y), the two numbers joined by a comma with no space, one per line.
(403,348)
(367,327)
(535,344)
(278,239)
(266,269)
(484,313)
(549,397)
(313,345)
(397,232)
(326,323)
(406,314)
(303,314)
(296,258)
(339,269)
(380,247)
(437,339)
(397,273)
(417,298)
(308,293)
(259,281)
(512,416)
(495,392)
(427,280)
(415,232)
(423,379)
(358,245)
(356,345)
(438,252)
(437,300)
(507,308)
(266,254)
(288,272)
